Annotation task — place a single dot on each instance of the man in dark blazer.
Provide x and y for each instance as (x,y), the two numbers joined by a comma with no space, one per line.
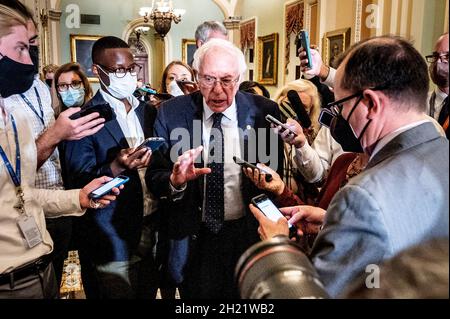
(110,236)
(209,225)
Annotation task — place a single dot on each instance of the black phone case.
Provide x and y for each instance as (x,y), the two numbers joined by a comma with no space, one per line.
(104,110)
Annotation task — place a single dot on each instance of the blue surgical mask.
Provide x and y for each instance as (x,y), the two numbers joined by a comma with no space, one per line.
(73,97)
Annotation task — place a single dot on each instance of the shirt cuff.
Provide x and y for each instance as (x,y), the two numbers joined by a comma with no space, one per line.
(302,154)
(329,81)
(177,193)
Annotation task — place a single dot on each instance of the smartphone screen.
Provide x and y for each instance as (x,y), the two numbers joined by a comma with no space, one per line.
(268,208)
(106,188)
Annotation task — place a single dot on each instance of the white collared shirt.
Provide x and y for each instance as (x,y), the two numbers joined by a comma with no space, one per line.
(132,130)
(438,103)
(234,203)
(128,122)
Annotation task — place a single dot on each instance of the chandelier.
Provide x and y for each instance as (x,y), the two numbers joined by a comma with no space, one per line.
(162,15)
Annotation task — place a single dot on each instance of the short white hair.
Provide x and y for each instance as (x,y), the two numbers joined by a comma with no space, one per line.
(221,45)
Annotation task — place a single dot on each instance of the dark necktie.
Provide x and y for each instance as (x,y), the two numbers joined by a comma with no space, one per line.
(214,204)
(444,112)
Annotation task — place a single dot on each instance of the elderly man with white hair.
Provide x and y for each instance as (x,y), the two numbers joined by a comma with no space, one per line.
(209,225)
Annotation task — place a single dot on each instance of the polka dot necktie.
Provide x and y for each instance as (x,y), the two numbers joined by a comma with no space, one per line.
(214,204)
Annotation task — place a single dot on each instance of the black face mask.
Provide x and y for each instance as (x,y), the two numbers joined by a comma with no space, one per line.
(34,55)
(49,82)
(342,132)
(15,77)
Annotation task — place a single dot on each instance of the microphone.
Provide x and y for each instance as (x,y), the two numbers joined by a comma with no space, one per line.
(299,109)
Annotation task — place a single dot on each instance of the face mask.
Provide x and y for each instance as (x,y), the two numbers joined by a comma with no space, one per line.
(72,97)
(120,88)
(34,55)
(343,133)
(49,82)
(174,89)
(439,74)
(15,77)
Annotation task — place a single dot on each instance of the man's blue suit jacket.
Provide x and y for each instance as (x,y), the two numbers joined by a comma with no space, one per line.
(111,233)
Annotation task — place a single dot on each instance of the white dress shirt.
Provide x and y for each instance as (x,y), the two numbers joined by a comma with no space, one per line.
(434,110)
(132,130)
(314,162)
(234,203)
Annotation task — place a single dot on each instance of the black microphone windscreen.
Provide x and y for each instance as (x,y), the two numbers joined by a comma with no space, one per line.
(299,109)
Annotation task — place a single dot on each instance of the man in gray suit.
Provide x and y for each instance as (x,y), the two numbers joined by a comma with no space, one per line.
(401,198)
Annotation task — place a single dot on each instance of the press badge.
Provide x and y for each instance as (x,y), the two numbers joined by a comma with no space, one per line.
(30,230)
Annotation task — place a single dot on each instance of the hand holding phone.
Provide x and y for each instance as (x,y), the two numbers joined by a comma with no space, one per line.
(104,110)
(303,41)
(106,188)
(268,208)
(152,143)
(243,163)
(274,121)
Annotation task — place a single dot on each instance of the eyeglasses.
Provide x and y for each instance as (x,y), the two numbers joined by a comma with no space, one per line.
(134,69)
(210,81)
(336,107)
(74,85)
(437,56)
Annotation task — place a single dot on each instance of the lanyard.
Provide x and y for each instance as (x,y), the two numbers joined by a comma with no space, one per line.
(40,116)
(15,176)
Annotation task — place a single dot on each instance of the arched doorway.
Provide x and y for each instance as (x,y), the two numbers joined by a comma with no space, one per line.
(140,55)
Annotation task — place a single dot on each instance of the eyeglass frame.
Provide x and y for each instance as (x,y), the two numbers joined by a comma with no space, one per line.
(108,70)
(213,84)
(335,108)
(66,85)
(436,56)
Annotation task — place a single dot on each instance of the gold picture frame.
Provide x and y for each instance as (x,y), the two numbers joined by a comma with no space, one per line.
(335,43)
(81,53)
(268,59)
(188,48)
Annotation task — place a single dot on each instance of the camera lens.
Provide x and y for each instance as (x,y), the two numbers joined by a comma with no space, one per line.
(277,269)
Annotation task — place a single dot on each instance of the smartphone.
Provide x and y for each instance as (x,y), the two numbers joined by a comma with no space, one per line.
(104,110)
(153,143)
(243,163)
(271,119)
(185,82)
(303,41)
(326,117)
(268,208)
(106,188)
(147,90)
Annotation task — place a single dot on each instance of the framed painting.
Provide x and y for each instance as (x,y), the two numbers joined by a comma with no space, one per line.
(334,43)
(188,48)
(268,59)
(81,51)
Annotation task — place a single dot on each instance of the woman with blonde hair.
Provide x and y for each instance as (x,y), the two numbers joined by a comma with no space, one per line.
(310,98)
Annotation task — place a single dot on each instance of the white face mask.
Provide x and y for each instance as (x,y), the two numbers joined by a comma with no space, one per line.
(120,88)
(174,89)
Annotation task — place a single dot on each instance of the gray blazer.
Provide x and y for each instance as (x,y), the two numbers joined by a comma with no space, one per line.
(400,200)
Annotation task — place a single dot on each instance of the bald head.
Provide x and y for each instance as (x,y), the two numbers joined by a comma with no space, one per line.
(442,43)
